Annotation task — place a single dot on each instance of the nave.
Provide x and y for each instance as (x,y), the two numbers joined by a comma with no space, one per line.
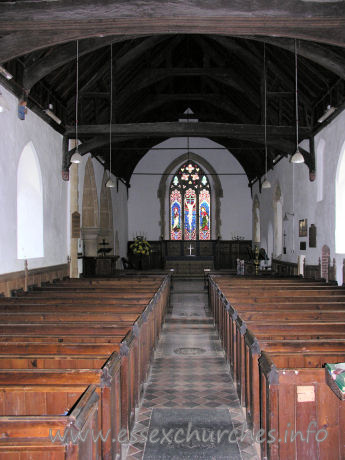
(249,358)
(189,381)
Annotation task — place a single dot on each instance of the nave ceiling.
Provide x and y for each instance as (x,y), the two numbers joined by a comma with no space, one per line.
(170,56)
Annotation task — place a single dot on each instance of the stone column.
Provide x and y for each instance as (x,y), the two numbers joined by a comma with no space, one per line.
(74,272)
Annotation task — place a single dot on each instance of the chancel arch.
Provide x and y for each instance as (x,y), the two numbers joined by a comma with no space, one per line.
(30,243)
(164,194)
(90,213)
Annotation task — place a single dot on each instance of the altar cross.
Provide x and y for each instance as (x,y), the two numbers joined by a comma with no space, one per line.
(190,249)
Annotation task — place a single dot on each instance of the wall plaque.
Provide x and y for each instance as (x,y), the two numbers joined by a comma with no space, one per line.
(75,225)
(303,227)
(303,245)
(312,236)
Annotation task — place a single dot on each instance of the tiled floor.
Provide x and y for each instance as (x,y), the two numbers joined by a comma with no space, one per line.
(189,370)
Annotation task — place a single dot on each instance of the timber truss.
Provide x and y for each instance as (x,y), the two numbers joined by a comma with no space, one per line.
(171,56)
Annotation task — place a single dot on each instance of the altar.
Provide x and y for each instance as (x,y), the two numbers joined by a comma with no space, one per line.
(189,265)
(190,261)
(188,257)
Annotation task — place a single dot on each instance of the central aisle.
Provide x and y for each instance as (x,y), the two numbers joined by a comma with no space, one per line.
(190,409)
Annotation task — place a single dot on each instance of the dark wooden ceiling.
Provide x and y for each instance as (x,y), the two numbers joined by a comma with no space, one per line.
(170,56)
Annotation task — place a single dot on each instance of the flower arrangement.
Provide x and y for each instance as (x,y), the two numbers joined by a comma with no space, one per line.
(140,246)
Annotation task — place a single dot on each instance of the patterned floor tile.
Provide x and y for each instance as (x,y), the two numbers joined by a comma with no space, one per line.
(195,381)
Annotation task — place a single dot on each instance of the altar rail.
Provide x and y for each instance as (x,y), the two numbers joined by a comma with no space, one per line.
(284,268)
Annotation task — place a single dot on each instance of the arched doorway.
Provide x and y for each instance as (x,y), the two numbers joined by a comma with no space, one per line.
(90,217)
(106,215)
(278,222)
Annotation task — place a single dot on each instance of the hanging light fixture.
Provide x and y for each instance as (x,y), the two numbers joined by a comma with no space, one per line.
(286,216)
(188,135)
(5,73)
(297,157)
(110,183)
(76,157)
(328,112)
(266,184)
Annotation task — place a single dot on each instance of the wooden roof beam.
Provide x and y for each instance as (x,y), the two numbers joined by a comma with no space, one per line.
(315,52)
(250,132)
(153,102)
(124,60)
(257,62)
(63,54)
(150,76)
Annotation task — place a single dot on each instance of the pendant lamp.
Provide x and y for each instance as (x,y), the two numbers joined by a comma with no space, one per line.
(266,184)
(110,183)
(76,157)
(297,157)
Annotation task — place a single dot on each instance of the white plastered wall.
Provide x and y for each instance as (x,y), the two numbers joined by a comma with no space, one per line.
(314,201)
(15,134)
(144,205)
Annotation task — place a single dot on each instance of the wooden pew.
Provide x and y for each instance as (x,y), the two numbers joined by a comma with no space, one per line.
(68,337)
(107,381)
(304,351)
(27,423)
(122,319)
(134,351)
(318,336)
(301,398)
(82,299)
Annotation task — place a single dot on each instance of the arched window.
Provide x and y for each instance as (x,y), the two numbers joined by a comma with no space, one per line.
(190,204)
(319,169)
(278,222)
(29,205)
(340,205)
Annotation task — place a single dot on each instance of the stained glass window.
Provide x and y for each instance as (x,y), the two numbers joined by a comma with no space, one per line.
(190,204)
(204,215)
(176,214)
(190,215)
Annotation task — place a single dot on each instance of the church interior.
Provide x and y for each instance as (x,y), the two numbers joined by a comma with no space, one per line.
(172,240)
